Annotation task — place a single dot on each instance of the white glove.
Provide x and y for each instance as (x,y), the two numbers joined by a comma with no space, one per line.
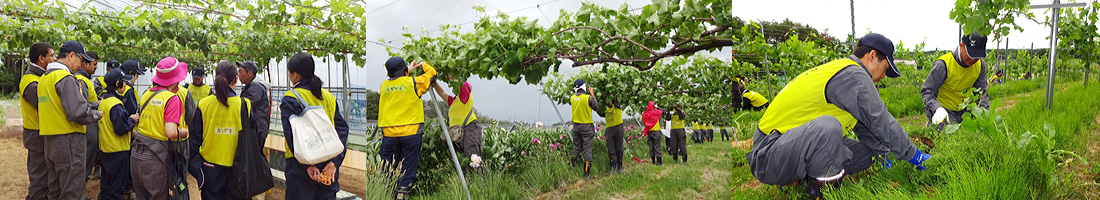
(940,116)
(476,161)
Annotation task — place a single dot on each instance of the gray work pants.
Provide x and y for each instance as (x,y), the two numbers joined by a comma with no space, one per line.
(814,149)
(582,141)
(37,171)
(654,142)
(65,160)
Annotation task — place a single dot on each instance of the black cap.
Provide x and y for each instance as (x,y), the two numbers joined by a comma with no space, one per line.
(113,64)
(132,67)
(113,76)
(76,47)
(975,45)
(198,72)
(248,65)
(395,65)
(885,46)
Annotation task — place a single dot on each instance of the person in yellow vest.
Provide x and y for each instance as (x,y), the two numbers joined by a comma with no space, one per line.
(401,116)
(197,88)
(952,74)
(583,104)
(129,99)
(613,117)
(153,162)
(219,126)
(99,83)
(725,133)
(750,100)
(802,136)
(305,181)
(696,131)
(40,54)
(679,136)
(651,118)
(710,132)
(85,75)
(114,138)
(997,78)
(63,102)
(461,113)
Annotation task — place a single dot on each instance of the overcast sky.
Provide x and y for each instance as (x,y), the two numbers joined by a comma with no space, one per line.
(495,98)
(910,22)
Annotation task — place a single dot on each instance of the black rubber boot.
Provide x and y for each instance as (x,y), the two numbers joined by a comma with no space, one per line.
(402,193)
(611,169)
(653,159)
(685,159)
(572,162)
(659,162)
(619,166)
(587,173)
(675,158)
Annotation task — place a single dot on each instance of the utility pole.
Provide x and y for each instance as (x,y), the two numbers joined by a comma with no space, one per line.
(1057,8)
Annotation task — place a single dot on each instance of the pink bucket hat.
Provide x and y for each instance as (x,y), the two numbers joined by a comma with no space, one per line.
(169,71)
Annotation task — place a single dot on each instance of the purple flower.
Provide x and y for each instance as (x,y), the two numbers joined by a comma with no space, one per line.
(562,136)
(535,140)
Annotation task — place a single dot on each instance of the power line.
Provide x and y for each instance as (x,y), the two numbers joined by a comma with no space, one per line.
(380,8)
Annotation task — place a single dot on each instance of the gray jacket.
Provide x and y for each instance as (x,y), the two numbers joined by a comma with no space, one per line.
(852,90)
(30,94)
(938,75)
(73,97)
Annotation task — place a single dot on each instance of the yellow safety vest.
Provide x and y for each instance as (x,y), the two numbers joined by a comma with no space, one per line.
(30,114)
(582,113)
(199,92)
(614,116)
(102,83)
(458,111)
(152,116)
(803,100)
(329,103)
(677,123)
(49,106)
(221,126)
(109,142)
(756,99)
(958,79)
(398,103)
(182,93)
(92,96)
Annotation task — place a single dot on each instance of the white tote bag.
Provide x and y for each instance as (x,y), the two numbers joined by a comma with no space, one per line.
(315,139)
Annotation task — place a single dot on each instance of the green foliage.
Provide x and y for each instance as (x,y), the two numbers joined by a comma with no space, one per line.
(517,48)
(200,32)
(990,17)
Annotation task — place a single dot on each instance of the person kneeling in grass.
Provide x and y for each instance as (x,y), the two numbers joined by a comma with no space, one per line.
(801,137)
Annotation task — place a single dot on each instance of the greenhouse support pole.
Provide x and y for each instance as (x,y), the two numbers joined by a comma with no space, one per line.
(446,135)
(347,85)
(1053,56)
(555,106)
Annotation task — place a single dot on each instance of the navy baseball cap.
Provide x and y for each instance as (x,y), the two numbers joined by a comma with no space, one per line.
(78,48)
(975,45)
(885,46)
(248,65)
(198,72)
(132,67)
(115,75)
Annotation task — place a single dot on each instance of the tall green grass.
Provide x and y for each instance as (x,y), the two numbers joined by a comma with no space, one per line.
(1010,156)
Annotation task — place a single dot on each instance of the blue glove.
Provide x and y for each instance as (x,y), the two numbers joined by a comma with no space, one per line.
(886,163)
(919,158)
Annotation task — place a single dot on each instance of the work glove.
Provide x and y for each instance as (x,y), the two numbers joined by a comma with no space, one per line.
(919,158)
(940,116)
(886,163)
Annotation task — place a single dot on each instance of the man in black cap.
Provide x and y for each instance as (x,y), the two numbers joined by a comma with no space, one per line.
(99,82)
(63,104)
(583,103)
(85,76)
(133,68)
(255,90)
(801,136)
(401,117)
(952,74)
(197,88)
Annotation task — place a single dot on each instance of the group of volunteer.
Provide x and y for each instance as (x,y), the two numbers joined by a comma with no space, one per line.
(829,121)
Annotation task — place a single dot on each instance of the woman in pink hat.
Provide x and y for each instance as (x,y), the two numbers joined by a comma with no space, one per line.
(152,159)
